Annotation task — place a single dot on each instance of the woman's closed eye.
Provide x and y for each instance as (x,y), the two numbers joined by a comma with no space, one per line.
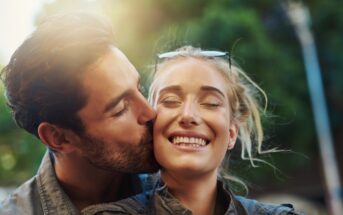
(170,101)
(211,102)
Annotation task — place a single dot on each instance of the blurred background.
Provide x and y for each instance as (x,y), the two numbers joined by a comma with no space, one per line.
(259,36)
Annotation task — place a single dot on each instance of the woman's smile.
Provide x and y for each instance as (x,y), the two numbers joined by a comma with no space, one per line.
(188,141)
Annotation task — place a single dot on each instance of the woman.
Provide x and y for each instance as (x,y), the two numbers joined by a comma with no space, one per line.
(203,103)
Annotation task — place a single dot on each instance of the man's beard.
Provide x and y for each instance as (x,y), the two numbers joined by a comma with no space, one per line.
(128,159)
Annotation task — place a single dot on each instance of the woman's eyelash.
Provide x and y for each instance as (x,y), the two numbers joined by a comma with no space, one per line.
(211,104)
(170,101)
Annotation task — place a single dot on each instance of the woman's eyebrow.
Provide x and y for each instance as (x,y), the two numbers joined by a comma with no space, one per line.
(172,88)
(212,89)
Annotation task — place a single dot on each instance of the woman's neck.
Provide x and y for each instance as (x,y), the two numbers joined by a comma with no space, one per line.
(196,193)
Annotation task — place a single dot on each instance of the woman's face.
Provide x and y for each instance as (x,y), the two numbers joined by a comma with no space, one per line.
(192,131)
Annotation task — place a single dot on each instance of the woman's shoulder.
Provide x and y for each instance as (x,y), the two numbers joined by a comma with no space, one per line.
(253,206)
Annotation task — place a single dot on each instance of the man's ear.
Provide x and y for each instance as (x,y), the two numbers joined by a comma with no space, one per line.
(57,138)
(233,133)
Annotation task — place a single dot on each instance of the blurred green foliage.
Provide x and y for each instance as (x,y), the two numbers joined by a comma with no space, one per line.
(20,153)
(258,36)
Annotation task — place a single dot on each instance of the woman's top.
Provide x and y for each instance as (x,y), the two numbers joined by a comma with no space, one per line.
(159,201)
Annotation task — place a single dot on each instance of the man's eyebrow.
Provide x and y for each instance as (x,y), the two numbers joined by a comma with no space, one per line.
(210,88)
(115,101)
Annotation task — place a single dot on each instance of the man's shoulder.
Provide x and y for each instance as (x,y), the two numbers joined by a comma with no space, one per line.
(138,204)
(255,207)
(23,200)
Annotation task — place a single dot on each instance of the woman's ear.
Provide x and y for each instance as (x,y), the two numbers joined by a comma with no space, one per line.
(57,138)
(233,133)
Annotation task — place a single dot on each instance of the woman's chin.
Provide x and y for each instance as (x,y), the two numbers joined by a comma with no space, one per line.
(187,170)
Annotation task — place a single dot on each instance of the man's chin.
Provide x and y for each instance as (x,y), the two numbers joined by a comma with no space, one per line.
(150,166)
(153,167)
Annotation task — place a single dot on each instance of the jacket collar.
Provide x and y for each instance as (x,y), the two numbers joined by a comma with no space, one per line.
(54,200)
(166,199)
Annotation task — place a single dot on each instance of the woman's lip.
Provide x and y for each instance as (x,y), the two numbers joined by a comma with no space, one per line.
(188,134)
(187,148)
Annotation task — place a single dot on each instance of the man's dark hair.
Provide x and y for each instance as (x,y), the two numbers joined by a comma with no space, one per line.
(42,79)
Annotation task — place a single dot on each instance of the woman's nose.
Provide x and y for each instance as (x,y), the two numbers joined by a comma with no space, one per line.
(189,115)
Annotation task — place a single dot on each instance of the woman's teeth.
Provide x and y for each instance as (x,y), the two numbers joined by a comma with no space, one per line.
(189,141)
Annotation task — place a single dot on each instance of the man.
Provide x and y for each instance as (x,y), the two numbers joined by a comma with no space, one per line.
(68,85)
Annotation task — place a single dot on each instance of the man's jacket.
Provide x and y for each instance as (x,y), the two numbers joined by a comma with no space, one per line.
(43,195)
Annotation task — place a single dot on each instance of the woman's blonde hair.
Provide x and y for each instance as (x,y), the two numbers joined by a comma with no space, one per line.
(243,97)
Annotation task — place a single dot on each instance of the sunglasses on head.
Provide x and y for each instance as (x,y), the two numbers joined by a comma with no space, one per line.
(202,53)
(209,54)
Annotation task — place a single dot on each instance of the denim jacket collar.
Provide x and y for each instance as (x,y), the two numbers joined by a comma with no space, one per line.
(54,200)
(164,198)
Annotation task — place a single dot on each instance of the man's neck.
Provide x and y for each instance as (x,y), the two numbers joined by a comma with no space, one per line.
(86,185)
(195,193)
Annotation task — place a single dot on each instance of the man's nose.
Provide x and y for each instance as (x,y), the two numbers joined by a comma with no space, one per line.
(146,112)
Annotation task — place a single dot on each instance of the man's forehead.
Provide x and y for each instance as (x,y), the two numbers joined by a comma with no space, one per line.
(113,63)
(111,77)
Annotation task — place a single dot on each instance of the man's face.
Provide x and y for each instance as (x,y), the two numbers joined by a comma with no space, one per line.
(116,136)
